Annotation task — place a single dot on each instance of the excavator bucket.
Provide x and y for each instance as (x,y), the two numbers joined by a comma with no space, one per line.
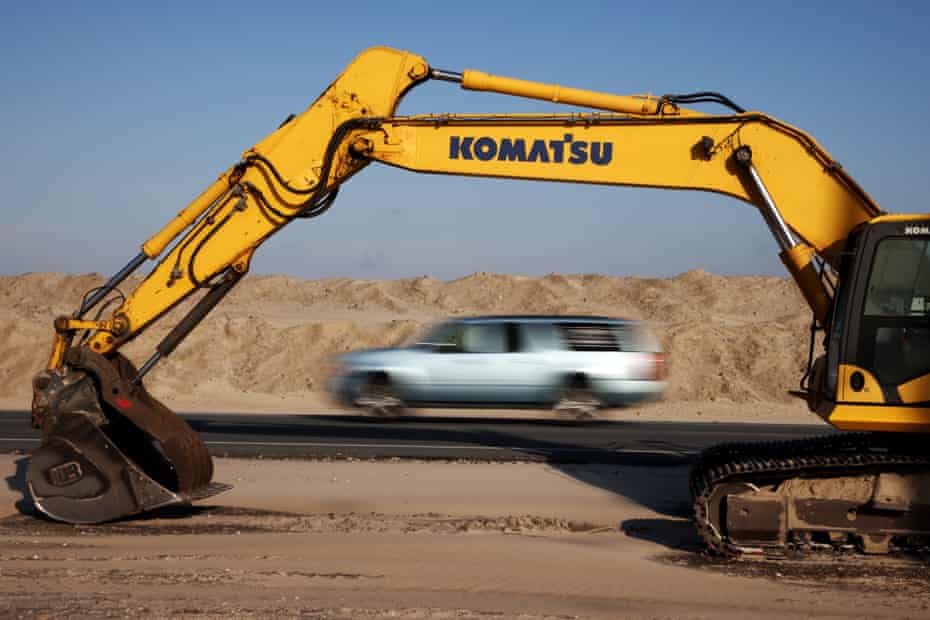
(109,449)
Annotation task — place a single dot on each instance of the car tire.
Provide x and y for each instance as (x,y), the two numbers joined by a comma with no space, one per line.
(577,401)
(377,397)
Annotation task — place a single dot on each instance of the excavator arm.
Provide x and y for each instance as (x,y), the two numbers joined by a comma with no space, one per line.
(109,448)
(110,445)
(292,174)
(807,199)
(641,142)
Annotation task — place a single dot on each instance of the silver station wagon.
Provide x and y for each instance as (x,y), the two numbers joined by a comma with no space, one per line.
(572,364)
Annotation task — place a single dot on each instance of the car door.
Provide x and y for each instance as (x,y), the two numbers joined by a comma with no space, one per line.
(475,369)
(531,370)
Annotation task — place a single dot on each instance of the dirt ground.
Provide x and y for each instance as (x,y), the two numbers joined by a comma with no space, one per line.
(430,540)
(425,540)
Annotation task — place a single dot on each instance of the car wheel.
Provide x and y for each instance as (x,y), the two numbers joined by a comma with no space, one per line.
(378,398)
(577,400)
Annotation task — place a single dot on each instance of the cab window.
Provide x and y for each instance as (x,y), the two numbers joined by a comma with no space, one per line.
(895,336)
(900,281)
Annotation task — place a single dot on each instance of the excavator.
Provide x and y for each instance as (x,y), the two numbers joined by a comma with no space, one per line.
(111,450)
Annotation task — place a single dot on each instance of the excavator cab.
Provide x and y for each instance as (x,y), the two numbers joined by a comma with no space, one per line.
(878,345)
(869,490)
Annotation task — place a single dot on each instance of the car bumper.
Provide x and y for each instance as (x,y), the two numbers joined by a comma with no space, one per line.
(622,392)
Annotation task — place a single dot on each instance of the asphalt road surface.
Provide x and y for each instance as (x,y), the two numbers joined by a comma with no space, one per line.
(423,437)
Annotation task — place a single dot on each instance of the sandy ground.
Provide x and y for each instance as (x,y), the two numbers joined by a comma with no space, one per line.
(429,541)
(400,539)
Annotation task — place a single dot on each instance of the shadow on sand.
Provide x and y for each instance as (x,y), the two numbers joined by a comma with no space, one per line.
(646,464)
(653,474)
(16,482)
(677,534)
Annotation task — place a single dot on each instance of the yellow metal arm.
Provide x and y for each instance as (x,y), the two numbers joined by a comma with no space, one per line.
(287,175)
(639,105)
(817,199)
(642,141)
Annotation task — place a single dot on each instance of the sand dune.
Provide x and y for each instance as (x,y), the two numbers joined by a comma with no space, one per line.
(739,339)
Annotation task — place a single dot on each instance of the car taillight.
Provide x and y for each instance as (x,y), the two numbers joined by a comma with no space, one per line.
(659,369)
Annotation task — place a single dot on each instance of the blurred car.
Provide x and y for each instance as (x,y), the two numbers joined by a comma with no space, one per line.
(573,364)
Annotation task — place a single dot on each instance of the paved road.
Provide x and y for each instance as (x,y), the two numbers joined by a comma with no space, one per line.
(499,439)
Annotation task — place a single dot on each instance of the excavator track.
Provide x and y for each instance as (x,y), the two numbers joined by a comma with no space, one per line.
(868,492)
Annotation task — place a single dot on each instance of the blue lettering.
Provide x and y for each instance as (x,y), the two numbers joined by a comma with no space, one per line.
(512,150)
(485,149)
(539,152)
(515,149)
(459,146)
(579,153)
(601,158)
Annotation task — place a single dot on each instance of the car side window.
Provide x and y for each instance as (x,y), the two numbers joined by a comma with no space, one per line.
(538,336)
(589,336)
(485,338)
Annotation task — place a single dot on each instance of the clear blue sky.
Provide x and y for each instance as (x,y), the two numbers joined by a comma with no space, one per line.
(115,114)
